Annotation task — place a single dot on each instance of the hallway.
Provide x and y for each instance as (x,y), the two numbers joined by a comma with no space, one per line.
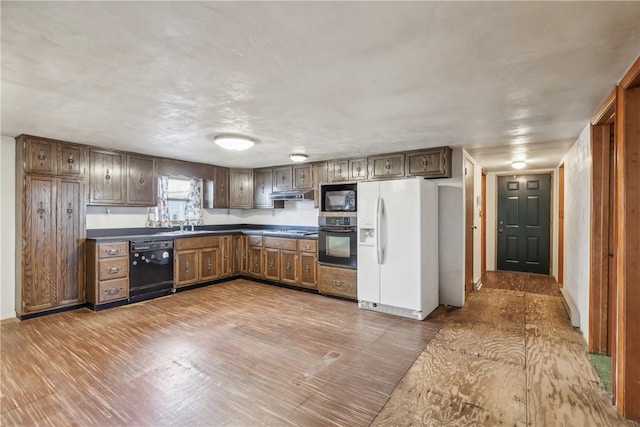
(508,357)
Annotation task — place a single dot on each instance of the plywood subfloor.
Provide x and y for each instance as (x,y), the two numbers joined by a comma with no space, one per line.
(508,357)
(239,353)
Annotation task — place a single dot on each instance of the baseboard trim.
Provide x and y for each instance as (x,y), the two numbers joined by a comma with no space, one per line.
(570,307)
(477,285)
(9,320)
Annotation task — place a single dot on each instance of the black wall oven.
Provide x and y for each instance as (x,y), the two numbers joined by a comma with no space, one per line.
(337,241)
(150,270)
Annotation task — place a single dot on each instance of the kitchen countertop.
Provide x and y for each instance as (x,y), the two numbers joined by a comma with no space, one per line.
(136,236)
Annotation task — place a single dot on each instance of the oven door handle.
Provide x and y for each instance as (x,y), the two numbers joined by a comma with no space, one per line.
(379,213)
(337,231)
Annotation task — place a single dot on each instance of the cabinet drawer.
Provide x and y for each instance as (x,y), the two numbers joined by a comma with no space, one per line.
(307,245)
(255,240)
(113,250)
(280,243)
(197,242)
(113,268)
(111,290)
(338,281)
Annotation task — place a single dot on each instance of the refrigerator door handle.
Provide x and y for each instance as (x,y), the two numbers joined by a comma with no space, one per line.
(378,233)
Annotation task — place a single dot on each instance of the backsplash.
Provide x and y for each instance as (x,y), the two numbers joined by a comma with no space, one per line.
(294,213)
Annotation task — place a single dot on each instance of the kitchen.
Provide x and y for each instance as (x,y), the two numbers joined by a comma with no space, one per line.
(328,112)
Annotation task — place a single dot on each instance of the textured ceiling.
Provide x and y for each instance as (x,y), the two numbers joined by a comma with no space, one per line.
(329,79)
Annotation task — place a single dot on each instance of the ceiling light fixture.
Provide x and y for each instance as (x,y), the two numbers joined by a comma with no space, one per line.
(298,157)
(518,164)
(234,142)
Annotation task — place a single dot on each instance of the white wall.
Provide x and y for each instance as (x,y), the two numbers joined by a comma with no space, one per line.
(7,227)
(451,233)
(294,213)
(577,225)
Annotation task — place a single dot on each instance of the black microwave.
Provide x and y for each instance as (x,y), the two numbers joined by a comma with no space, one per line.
(338,198)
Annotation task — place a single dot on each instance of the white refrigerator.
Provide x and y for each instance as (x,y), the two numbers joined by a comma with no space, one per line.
(398,247)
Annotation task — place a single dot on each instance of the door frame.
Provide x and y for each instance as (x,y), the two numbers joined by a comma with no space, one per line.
(561,224)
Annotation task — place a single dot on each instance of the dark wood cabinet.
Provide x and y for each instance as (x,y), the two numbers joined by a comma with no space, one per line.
(186,267)
(272,264)
(106,178)
(71,160)
(52,253)
(40,156)
(141,181)
(226,258)
(262,188)
(289,267)
(433,163)
(255,265)
(239,255)
(201,259)
(220,188)
(338,170)
(209,264)
(308,263)
(358,169)
(302,177)
(386,166)
(52,157)
(320,176)
(241,185)
(338,281)
(107,272)
(282,179)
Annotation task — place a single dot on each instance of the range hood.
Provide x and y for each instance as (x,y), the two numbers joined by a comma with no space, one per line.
(292,195)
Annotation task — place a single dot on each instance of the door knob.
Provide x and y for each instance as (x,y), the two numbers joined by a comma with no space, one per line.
(500,226)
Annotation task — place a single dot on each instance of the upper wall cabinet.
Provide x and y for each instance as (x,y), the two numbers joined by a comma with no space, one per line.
(241,184)
(221,188)
(262,188)
(282,179)
(53,158)
(358,169)
(320,176)
(141,180)
(338,170)
(386,166)
(302,177)
(106,178)
(433,163)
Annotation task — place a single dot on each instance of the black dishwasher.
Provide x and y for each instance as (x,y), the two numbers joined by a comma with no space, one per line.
(150,270)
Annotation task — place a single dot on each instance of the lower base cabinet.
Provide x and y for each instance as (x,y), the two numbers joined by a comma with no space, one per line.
(341,282)
(108,272)
(196,260)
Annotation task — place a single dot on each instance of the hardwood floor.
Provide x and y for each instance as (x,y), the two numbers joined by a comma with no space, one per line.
(507,357)
(238,353)
(244,354)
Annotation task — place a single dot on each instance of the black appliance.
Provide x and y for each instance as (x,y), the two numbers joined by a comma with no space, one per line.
(338,198)
(337,241)
(150,269)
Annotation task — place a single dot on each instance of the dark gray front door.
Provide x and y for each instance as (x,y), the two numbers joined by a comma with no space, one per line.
(523,223)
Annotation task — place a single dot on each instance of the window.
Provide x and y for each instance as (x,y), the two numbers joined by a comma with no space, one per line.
(178,194)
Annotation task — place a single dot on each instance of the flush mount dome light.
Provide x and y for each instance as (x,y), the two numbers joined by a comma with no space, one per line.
(297,157)
(518,164)
(234,142)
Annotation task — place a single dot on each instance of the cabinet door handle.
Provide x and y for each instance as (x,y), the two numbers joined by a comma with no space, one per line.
(70,209)
(113,270)
(113,251)
(209,263)
(112,291)
(387,165)
(307,268)
(141,179)
(425,162)
(41,211)
(337,282)
(186,266)
(288,267)
(107,176)
(41,156)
